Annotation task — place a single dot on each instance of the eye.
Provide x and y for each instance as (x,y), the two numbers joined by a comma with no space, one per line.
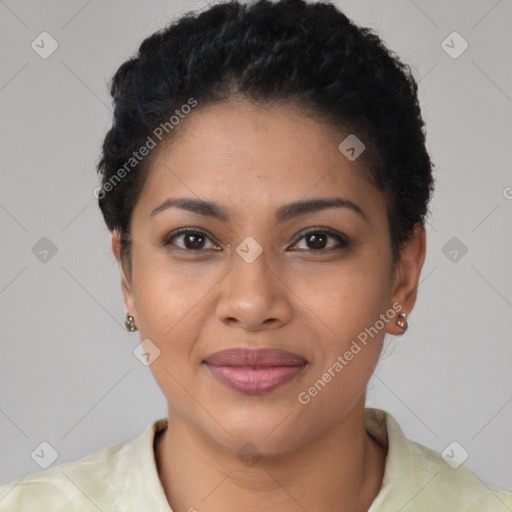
(192,239)
(317,240)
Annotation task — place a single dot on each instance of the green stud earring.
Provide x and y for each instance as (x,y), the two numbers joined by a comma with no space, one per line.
(130,326)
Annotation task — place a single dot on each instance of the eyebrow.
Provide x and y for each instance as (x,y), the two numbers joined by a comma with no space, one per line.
(283,213)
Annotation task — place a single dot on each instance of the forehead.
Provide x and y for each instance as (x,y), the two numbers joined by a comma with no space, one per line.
(246,155)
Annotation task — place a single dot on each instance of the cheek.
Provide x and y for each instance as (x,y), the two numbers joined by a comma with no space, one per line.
(168,295)
(169,315)
(347,302)
(173,303)
(346,356)
(347,296)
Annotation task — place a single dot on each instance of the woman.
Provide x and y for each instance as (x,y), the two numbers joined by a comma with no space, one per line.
(266,183)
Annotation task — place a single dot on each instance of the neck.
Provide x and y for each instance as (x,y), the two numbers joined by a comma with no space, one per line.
(342,470)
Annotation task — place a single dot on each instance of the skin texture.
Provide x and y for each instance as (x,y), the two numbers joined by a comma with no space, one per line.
(193,302)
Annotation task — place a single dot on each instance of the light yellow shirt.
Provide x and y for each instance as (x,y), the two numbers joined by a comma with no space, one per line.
(124,478)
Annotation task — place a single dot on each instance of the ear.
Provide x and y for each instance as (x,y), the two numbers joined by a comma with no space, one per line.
(407,274)
(125,274)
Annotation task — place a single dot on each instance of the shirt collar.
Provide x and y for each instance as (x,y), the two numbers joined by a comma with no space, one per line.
(378,423)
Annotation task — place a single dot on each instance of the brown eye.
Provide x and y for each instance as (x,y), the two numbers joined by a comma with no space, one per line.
(318,240)
(192,240)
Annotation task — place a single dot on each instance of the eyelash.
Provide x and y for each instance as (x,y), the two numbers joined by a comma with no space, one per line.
(342,240)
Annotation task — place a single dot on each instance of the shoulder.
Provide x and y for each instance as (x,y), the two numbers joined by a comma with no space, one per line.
(65,487)
(441,481)
(420,479)
(98,481)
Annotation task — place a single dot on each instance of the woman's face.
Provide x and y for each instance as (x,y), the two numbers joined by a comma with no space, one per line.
(323,279)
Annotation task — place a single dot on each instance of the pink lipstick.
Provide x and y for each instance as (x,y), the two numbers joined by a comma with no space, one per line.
(254,371)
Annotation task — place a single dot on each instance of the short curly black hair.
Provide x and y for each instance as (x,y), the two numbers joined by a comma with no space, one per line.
(309,55)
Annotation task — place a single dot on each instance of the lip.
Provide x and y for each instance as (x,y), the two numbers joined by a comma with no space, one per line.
(254,371)
(254,357)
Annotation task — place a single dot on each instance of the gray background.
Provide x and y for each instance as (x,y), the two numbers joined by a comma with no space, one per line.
(67,372)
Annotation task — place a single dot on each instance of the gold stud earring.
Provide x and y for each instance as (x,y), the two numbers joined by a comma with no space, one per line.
(401,321)
(129,324)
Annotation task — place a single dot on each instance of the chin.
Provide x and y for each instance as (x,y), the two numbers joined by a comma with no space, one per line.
(267,436)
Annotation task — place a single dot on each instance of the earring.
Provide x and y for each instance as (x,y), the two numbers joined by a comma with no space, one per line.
(130,326)
(401,321)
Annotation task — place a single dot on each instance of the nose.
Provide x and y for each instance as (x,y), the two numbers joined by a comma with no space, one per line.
(253,296)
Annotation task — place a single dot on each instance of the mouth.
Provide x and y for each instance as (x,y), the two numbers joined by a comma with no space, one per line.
(255,371)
